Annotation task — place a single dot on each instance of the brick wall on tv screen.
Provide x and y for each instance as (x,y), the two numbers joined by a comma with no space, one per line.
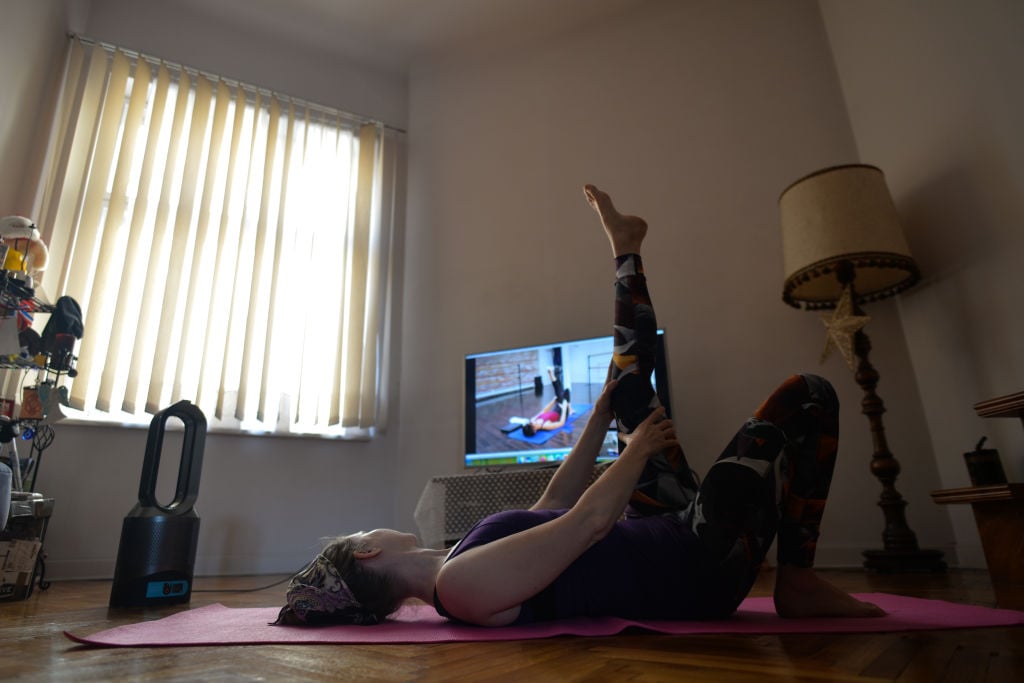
(506,372)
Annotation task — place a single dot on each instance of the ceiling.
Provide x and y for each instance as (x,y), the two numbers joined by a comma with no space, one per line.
(397,34)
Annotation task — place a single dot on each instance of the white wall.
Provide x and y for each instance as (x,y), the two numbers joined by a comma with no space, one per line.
(935,99)
(695,115)
(30,59)
(263,502)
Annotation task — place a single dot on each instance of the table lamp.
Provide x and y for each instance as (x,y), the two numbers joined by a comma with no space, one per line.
(843,246)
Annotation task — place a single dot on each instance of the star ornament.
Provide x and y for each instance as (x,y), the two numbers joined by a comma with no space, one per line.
(841,327)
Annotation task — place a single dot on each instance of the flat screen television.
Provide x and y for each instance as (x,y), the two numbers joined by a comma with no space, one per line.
(505,388)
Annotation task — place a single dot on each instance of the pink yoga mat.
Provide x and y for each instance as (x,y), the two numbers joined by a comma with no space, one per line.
(220,625)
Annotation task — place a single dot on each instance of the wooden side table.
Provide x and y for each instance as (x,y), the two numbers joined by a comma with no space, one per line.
(1011,405)
(999,514)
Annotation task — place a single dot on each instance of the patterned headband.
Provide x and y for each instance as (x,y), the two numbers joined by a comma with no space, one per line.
(318,594)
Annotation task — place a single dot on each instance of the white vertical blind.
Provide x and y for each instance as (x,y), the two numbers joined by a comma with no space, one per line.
(228,246)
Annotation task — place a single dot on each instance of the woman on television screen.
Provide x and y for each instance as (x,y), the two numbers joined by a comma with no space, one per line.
(644,540)
(555,413)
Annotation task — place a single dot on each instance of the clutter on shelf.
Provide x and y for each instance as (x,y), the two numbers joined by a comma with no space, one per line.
(34,367)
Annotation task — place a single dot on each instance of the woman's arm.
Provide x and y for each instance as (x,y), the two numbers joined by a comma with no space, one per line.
(486,585)
(549,406)
(574,473)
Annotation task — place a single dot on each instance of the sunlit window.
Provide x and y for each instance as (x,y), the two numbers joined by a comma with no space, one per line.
(228,246)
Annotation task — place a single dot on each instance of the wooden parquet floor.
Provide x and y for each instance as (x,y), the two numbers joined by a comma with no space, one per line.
(33,648)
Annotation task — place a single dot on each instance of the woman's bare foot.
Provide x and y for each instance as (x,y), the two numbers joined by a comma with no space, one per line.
(799,592)
(626,233)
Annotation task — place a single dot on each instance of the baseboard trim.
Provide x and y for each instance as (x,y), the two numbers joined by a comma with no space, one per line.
(217,565)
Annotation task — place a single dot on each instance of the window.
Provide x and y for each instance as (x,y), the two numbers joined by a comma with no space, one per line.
(228,246)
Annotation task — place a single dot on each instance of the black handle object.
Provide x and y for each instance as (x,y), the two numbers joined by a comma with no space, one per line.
(157,553)
(191,465)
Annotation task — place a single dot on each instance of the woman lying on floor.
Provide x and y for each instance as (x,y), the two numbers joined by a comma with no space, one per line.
(554,414)
(643,541)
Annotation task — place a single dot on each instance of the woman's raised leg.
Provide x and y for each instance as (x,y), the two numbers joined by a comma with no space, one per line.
(667,483)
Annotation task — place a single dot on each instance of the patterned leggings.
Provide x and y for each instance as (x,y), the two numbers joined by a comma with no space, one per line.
(772,478)
(667,483)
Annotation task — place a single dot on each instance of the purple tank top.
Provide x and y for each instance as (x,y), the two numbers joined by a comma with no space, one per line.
(645,568)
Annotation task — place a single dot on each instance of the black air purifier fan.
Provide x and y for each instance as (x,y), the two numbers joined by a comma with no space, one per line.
(158,542)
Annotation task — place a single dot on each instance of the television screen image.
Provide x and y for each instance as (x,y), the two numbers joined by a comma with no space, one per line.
(505,389)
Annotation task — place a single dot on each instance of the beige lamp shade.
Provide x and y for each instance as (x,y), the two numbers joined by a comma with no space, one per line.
(842,216)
